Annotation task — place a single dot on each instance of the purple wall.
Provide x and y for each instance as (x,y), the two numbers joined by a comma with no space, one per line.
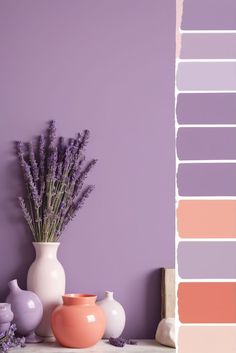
(107,66)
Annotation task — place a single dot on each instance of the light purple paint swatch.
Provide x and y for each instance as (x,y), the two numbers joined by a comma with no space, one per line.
(208,46)
(209,14)
(207,260)
(216,76)
(206,108)
(203,179)
(206,143)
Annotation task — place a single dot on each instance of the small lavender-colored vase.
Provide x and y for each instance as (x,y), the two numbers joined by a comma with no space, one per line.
(27,309)
(6,316)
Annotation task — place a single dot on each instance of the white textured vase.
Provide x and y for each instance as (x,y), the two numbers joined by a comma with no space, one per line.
(115,316)
(46,278)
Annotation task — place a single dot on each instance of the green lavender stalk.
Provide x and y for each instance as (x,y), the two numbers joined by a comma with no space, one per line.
(54,181)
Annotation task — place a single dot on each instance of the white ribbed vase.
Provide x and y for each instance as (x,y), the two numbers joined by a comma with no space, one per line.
(46,278)
(115,315)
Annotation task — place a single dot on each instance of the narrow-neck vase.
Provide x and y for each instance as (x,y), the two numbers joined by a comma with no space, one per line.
(115,315)
(46,277)
(27,309)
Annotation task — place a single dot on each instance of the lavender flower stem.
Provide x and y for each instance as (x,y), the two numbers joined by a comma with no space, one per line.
(54,182)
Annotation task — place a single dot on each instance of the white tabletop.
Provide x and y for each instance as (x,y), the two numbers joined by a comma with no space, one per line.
(143,346)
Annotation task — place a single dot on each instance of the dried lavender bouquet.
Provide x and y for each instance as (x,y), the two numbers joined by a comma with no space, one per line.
(54,175)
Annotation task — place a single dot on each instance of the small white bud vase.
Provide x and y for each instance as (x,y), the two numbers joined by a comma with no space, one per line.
(115,316)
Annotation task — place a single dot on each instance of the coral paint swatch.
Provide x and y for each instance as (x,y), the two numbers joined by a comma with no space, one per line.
(207,339)
(207,302)
(206,218)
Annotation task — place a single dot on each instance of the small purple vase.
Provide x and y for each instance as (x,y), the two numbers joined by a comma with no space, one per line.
(27,309)
(6,316)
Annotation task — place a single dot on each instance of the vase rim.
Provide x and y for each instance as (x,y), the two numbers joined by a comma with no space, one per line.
(4,306)
(13,284)
(79,298)
(46,242)
(108,292)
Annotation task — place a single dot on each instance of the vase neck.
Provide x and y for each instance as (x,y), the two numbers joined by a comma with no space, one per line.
(79,299)
(13,286)
(109,295)
(47,250)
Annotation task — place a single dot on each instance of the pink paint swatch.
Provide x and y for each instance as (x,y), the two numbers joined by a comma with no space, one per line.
(206,218)
(207,339)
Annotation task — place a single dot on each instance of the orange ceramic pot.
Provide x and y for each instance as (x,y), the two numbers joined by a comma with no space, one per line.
(79,322)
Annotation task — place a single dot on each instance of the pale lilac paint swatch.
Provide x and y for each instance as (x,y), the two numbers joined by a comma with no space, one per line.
(215,76)
(207,260)
(208,46)
(206,143)
(206,108)
(207,179)
(209,14)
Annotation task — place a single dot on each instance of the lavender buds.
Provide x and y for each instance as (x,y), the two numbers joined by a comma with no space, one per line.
(54,175)
(9,340)
(121,342)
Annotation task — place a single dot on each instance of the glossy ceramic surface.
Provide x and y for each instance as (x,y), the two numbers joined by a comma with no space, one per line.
(115,315)
(6,316)
(79,322)
(46,277)
(27,309)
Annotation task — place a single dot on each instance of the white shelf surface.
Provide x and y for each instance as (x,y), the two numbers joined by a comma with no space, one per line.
(143,346)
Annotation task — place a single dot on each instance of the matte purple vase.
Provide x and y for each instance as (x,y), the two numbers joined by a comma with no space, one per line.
(6,316)
(27,309)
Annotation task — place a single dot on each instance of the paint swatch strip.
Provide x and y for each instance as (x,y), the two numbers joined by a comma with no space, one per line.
(202,302)
(206,76)
(203,179)
(207,339)
(206,143)
(206,108)
(208,260)
(198,302)
(206,218)
(208,46)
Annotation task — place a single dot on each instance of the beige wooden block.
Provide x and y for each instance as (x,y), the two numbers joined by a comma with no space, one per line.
(168,296)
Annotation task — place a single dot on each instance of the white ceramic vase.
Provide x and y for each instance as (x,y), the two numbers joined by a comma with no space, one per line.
(46,278)
(115,316)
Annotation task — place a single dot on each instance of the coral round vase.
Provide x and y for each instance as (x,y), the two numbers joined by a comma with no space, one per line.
(46,277)
(79,322)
